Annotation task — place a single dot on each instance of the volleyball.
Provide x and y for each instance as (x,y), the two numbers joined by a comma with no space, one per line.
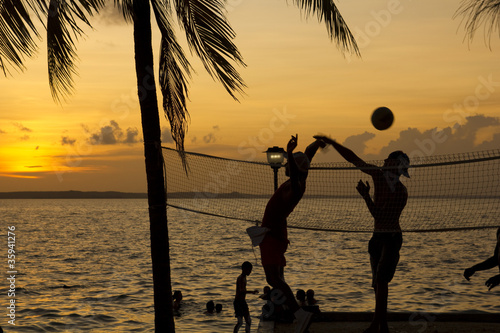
(382,118)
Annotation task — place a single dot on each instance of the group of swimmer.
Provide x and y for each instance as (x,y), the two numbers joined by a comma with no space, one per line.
(389,200)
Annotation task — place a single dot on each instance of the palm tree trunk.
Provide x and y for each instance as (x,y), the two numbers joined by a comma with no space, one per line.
(164,321)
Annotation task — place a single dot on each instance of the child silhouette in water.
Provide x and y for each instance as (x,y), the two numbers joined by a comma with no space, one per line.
(240,304)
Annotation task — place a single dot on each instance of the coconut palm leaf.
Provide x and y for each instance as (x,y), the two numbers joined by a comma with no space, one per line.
(16,29)
(63,18)
(210,36)
(327,11)
(479,12)
(126,8)
(174,71)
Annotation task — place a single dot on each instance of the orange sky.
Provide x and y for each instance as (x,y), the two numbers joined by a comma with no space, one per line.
(415,60)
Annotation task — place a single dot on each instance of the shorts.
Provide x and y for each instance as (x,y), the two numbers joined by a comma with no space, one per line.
(241,308)
(384,255)
(272,251)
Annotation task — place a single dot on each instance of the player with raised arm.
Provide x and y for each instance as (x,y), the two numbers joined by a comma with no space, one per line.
(275,242)
(489,263)
(389,200)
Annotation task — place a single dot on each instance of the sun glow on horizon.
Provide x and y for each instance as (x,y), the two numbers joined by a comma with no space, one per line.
(297,82)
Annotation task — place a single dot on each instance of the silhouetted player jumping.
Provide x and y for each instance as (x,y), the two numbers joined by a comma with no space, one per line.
(275,243)
(389,201)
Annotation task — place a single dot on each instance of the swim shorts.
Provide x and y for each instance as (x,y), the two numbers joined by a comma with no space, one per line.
(272,251)
(384,255)
(240,308)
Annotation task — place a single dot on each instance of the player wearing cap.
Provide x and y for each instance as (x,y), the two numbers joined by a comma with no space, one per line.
(389,200)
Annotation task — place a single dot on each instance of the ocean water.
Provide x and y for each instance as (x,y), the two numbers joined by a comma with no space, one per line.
(84,266)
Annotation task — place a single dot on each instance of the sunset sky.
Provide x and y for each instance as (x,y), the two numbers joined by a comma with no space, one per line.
(444,92)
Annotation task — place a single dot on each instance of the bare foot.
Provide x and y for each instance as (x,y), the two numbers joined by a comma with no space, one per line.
(384,328)
(372,329)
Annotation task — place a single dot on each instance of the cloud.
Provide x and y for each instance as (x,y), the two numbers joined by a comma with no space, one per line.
(110,15)
(22,128)
(67,141)
(210,137)
(478,132)
(131,136)
(112,134)
(2,132)
(166,136)
(358,142)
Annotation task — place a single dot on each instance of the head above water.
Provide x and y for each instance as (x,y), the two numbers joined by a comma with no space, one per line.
(210,306)
(300,295)
(400,160)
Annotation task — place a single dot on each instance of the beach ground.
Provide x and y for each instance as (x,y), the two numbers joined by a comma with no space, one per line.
(398,323)
(395,327)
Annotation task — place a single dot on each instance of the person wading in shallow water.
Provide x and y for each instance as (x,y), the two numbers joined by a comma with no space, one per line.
(240,304)
(275,242)
(389,201)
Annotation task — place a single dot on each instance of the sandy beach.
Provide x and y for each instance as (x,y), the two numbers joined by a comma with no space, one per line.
(356,322)
(396,327)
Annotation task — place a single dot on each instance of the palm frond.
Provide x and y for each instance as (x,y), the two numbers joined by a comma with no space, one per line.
(126,7)
(16,34)
(174,73)
(479,12)
(210,36)
(62,29)
(327,11)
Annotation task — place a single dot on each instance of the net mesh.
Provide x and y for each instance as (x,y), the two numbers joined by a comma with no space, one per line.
(446,192)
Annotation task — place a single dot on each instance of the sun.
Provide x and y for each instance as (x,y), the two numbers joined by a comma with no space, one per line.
(24,160)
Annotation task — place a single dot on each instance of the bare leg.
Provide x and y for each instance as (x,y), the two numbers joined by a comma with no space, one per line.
(274,278)
(379,323)
(373,328)
(248,323)
(238,324)
(381,296)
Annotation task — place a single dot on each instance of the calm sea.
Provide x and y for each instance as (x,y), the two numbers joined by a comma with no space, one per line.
(84,265)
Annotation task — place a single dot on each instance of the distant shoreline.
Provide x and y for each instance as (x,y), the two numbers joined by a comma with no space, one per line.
(180,195)
(72,195)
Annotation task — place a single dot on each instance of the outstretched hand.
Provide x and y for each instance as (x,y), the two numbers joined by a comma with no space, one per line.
(324,139)
(292,144)
(493,282)
(468,273)
(363,189)
(321,143)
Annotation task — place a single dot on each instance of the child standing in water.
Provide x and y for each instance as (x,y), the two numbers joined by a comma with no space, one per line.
(240,304)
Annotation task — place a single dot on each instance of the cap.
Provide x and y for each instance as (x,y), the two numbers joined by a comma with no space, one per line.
(404,162)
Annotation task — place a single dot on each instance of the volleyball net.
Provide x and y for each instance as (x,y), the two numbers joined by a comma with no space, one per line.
(445,192)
